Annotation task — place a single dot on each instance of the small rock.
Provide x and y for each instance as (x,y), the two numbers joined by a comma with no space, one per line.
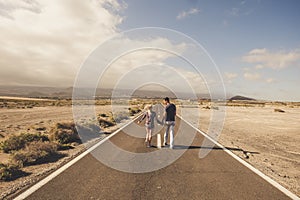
(278,110)
(247,155)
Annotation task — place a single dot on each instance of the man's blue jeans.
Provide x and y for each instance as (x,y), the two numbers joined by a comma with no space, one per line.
(169,128)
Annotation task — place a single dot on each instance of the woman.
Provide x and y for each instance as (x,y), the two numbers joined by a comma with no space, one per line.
(149,124)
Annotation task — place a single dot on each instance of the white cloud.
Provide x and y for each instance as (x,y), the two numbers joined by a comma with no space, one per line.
(234,12)
(141,57)
(241,9)
(259,66)
(264,58)
(246,69)
(185,14)
(44,42)
(252,76)
(270,80)
(8,8)
(230,75)
(258,51)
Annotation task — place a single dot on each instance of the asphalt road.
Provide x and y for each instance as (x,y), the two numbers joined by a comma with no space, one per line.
(216,176)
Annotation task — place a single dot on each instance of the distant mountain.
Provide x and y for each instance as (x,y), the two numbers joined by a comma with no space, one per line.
(36,92)
(241,98)
(65,93)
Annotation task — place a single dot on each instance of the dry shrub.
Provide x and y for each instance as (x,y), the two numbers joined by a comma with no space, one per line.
(17,142)
(105,123)
(120,116)
(36,151)
(7,171)
(103,115)
(106,120)
(103,102)
(215,107)
(64,133)
(134,110)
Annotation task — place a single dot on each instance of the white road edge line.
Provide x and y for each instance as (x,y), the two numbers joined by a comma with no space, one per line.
(262,175)
(42,182)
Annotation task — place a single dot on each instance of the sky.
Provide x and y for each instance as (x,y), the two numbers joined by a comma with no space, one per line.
(249,47)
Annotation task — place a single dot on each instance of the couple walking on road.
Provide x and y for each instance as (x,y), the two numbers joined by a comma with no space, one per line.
(168,120)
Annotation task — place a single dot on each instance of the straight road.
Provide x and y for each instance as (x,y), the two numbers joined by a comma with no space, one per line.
(217,176)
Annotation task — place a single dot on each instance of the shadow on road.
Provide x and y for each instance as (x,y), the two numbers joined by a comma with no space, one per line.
(212,148)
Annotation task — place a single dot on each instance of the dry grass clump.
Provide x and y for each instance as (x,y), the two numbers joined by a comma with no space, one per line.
(30,149)
(64,133)
(8,171)
(35,152)
(17,142)
(106,120)
(25,149)
(103,102)
(211,107)
(62,102)
(134,110)
(23,104)
(105,123)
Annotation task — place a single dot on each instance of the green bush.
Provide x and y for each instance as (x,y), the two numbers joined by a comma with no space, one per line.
(17,142)
(36,151)
(64,133)
(7,171)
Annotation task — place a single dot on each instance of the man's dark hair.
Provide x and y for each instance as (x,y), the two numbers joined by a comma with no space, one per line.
(167,99)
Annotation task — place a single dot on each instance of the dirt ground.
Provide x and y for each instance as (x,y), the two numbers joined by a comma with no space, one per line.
(272,138)
(13,121)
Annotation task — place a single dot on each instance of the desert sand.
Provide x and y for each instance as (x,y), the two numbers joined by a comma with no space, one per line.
(270,137)
(38,120)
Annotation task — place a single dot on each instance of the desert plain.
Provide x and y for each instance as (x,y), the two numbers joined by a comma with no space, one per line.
(266,135)
(267,139)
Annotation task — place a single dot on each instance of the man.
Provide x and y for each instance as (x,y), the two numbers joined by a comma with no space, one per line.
(169,118)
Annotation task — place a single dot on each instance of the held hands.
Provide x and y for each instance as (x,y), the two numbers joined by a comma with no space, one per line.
(160,122)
